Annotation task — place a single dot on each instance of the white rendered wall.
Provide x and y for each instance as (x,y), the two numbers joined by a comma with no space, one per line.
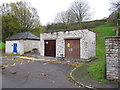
(22,46)
(9,46)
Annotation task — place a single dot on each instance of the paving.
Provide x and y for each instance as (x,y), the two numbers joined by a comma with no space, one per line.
(20,73)
(38,58)
(37,69)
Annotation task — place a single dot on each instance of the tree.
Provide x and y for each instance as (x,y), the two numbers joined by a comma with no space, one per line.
(78,12)
(115,8)
(10,26)
(115,5)
(26,16)
(61,17)
(81,10)
(65,17)
(70,17)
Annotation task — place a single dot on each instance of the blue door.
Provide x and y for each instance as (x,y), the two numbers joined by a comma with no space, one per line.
(15,48)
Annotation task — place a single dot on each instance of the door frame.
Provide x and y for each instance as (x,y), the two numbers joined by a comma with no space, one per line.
(45,47)
(73,39)
(15,49)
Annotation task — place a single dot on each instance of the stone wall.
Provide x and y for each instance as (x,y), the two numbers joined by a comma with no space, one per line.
(29,45)
(87,42)
(113,58)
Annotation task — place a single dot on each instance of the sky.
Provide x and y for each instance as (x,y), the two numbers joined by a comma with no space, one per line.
(47,9)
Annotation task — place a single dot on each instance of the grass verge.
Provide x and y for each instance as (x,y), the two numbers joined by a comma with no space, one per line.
(2,45)
(97,70)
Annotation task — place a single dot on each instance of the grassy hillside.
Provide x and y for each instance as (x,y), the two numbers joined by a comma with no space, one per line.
(2,45)
(97,70)
(73,26)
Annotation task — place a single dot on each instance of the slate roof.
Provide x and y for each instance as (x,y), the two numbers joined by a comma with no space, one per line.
(23,36)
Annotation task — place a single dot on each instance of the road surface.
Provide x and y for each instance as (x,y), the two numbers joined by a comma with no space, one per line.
(19,73)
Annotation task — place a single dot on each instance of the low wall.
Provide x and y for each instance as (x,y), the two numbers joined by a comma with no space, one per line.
(113,58)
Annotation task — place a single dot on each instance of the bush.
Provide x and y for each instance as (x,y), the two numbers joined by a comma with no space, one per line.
(2,45)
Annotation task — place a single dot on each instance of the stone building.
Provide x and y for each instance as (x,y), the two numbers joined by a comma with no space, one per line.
(79,44)
(21,43)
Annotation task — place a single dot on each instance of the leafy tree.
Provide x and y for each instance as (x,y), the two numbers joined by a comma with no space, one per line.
(37,30)
(27,15)
(10,26)
(19,17)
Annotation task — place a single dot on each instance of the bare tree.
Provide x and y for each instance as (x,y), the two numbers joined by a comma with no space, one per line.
(115,8)
(80,10)
(70,17)
(61,17)
(65,17)
(115,5)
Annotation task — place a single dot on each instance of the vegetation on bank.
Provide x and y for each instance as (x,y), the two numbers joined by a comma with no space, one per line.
(2,45)
(97,70)
(73,26)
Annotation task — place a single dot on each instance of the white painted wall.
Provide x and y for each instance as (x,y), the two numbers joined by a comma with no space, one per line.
(22,45)
(9,46)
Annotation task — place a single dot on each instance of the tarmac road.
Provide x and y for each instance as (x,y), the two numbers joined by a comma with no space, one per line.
(24,74)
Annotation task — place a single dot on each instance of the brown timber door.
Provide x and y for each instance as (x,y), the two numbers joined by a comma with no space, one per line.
(72,48)
(50,48)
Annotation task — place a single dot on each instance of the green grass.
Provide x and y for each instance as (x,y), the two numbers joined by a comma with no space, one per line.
(97,70)
(2,45)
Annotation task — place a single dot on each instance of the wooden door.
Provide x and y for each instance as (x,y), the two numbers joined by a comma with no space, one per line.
(50,48)
(72,48)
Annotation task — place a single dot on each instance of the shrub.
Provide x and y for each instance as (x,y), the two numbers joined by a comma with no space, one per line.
(2,45)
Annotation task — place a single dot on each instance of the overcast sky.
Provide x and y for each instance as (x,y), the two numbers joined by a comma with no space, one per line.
(47,9)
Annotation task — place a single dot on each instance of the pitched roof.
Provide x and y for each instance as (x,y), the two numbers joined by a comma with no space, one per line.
(22,36)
